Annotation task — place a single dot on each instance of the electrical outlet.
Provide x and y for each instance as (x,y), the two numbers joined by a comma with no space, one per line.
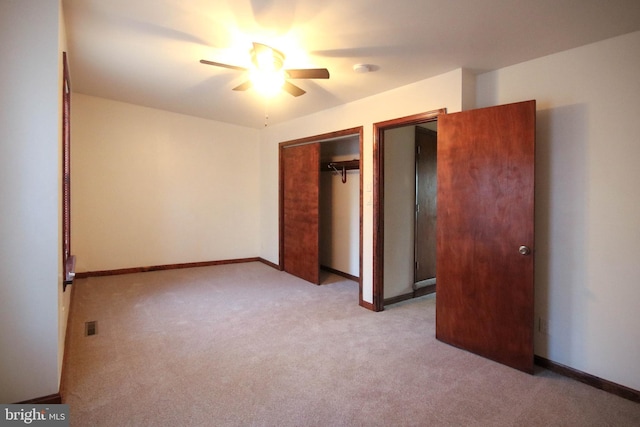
(90,328)
(543,325)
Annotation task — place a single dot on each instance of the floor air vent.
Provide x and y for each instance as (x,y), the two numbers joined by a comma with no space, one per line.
(91,328)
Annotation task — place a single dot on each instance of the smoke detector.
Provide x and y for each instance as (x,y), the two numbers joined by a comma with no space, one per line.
(362,68)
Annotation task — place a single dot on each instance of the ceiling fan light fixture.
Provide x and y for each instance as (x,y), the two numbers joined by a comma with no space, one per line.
(267,83)
(266,59)
(267,75)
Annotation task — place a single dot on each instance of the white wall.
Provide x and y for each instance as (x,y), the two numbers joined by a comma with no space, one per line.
(587,201)
(443,91)
(30,249)
(150,187)
(399,210)
(340,210)
(64,297)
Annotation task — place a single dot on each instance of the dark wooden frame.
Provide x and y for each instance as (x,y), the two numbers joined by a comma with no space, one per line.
(378,194)
(68,260)
(162,267)
(309,140)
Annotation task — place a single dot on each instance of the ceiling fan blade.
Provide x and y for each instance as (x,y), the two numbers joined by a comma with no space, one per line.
(244,86)
(292,89)
(219,64)
(308,73)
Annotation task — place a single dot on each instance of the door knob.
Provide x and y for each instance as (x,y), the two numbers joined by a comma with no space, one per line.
(524,250)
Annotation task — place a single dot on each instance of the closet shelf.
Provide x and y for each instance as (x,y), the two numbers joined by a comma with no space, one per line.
(347,164)
(340,167)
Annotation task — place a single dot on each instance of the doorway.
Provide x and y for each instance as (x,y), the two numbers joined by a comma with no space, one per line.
(398,225)
(485,233)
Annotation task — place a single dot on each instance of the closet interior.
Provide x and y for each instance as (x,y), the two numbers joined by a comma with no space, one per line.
(340,206)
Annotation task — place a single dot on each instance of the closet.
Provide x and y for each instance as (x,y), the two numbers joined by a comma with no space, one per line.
(320,206)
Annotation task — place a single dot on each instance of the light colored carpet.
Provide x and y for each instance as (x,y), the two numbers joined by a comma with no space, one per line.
(247,345)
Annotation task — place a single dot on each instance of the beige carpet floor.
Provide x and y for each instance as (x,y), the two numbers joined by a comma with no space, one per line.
(247,345)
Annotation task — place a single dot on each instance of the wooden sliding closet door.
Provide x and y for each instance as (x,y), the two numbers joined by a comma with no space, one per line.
(300,168)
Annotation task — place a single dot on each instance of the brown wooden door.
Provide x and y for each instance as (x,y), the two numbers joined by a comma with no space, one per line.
(426,195)
(484,300)
(300,167)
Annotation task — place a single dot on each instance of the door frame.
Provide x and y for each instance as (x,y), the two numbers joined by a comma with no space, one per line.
(355,131)
(378,195)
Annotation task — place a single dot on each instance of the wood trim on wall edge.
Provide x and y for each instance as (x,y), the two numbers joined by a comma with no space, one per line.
(65,355)
(592,380)
(52,399)
(270,264)
(85,274)
(367,305)
(378,194)
(426,290)
(340,273)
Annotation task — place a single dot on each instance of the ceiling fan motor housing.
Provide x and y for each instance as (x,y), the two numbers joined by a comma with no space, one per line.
(266,58)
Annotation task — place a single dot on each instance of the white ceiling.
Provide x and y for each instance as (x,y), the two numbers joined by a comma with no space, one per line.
(147,52)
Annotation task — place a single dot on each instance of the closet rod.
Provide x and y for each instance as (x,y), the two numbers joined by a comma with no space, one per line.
(347,164)
(344,166)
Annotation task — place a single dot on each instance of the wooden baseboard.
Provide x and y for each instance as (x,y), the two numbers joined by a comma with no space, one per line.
(397,299)
(67,340)
(426,290)
(270,264)
(367,305)
(52,399)
(85,274)
(592,380)
(340,273)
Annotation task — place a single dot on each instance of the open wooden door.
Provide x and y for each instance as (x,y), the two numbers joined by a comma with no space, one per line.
(300,168)
(485,233)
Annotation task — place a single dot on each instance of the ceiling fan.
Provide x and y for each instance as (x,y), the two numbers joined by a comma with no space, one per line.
(268,63)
